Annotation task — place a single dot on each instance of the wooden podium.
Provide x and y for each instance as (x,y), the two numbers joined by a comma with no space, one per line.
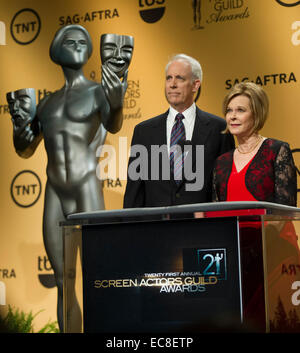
(212,267)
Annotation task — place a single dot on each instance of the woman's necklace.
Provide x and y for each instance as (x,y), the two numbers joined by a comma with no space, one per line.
(260,138)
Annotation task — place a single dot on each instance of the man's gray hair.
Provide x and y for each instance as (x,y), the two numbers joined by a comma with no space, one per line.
(195,65)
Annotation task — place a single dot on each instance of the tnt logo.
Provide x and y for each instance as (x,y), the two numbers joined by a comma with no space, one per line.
(26,188)
(212,262)
(25,26)
(2,293)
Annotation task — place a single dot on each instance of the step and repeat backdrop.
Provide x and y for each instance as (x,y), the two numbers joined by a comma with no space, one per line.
(234,40)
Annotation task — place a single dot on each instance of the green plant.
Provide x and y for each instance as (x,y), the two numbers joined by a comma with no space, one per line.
(17,321)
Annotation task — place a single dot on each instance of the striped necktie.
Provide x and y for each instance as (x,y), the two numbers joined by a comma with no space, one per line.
(176,155)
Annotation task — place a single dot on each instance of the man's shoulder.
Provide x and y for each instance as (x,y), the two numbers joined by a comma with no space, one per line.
(211,117)
(152,121)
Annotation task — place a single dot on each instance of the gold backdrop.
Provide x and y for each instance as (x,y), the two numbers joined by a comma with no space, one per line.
(233,39)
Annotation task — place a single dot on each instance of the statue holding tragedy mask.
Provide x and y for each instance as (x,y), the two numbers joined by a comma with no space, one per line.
(73,122)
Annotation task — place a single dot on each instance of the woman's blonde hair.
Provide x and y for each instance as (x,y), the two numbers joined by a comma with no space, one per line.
(259,102)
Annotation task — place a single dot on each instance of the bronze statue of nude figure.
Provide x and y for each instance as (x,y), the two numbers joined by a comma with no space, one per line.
(72,121)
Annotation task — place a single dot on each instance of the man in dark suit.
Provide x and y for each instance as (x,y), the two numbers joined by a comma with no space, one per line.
(187,126)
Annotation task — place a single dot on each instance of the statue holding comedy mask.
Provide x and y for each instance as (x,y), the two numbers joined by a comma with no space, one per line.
(73,122)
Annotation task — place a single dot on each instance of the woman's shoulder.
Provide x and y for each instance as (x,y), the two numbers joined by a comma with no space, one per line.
(272,148)
(271,142)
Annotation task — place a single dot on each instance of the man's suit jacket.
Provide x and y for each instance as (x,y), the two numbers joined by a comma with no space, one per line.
(157,193)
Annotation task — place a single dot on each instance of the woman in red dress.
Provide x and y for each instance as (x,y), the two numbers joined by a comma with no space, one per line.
(258,169)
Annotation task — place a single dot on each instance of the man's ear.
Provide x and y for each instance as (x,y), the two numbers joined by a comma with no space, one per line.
(197,84)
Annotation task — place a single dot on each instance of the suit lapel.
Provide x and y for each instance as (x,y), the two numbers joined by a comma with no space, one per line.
(159,136)
(201,128)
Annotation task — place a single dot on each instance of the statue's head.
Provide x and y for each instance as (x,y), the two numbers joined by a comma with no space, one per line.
(71,46)
(116,52)
(22,105)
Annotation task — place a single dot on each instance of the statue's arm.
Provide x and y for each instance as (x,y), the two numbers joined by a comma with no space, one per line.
(114,89)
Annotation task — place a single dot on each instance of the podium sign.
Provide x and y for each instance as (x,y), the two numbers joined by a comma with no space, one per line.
(161,276)
(231,266)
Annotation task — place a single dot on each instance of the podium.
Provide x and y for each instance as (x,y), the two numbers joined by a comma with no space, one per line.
(210,267)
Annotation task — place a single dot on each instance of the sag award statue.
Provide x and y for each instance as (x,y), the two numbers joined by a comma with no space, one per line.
(73,122)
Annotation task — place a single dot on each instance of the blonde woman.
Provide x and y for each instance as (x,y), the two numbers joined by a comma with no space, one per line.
(259,168)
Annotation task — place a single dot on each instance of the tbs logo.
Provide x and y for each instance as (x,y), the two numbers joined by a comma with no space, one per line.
(151,11)
(44,267)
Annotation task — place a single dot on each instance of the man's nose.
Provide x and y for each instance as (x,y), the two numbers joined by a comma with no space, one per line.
(173,82)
